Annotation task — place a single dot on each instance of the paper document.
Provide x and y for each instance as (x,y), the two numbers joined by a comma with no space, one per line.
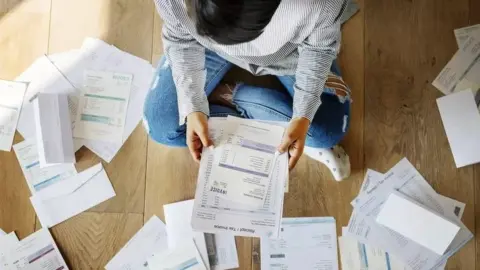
(77,194)
(178,219)
(461,120)
(222,251)
(304,243)
(39,178)
(244,160)
(11,99)
(7,242)
(2,232)
(216,214)
(37,252)
(417,223)
(103,106)
(404,178)
(462,34)
(462,65)
(53,129)
(151,239)
(184,256)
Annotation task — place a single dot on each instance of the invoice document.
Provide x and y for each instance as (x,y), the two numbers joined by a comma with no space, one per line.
(178,219)
(11,99)
(53,129)
(464,64)
(417,223)
(103,106)
(151,239)
(222,251)
(461,120)
(73,196)
(7,242)
(39,178)
(184,256)
(98,55)
(244,160)
(462,34)
(37,252)
(215,214)
(304,243)
(407,180)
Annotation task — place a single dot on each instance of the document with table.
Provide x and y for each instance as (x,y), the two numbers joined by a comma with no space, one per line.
(303,243)
(39,178)
(11,100)
(216,214)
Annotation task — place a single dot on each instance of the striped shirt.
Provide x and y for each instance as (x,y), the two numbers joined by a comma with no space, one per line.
(302,39)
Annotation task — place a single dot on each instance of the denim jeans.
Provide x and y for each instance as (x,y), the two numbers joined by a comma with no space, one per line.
(161,118)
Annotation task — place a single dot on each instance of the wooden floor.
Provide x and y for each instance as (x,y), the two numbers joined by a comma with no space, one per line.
(392,50)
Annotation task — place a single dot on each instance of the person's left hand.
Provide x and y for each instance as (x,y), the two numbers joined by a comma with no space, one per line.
(294,140)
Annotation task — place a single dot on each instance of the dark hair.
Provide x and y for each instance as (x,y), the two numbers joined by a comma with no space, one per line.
(232,21)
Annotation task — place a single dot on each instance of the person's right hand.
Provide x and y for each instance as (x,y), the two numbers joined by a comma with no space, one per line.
(197,134)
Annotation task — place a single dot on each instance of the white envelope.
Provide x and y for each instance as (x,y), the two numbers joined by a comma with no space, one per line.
(73,196)
(53,129)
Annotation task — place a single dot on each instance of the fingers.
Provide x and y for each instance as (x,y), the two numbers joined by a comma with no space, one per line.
(192,147)
(296,150)
(288,139)
(203,135)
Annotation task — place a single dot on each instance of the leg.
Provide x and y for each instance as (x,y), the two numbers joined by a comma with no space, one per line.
(161,109)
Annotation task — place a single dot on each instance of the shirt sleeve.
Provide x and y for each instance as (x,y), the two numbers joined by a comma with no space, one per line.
(186,58)
(316,55)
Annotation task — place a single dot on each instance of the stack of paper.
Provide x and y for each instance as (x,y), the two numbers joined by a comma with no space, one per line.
(255,207)
(460,109)
(108,85)
(37,251)
(399,215)
(304,243)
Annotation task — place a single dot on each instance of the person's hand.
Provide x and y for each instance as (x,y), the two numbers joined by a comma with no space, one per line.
(197,134)
(294,140)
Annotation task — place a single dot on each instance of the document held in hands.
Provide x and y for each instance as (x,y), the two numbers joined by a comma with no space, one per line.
(39,178)
(416,222)
(69,198)
(53,129)
(11,100)
(103,106)
(244,160)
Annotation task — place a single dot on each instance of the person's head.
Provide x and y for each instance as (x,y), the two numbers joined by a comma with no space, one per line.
(232,21)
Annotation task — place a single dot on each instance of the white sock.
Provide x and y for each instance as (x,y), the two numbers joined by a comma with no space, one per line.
(335,158)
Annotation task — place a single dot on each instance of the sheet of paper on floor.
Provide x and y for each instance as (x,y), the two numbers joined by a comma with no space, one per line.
(98,55)
(11,99)
(409,182)
(465,64)
(235,218)
(2,233)
(222,251)
(178,220)
(304,243)
(461,121)
(246,152)
(150,239)
(53,129)
(7,242)
(77,194)
(37,251)
(39,178)
(462,34)
(184,256)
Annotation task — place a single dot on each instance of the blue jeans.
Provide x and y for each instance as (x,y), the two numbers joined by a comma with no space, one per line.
(161,116)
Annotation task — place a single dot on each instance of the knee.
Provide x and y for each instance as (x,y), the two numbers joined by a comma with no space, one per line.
(326,133)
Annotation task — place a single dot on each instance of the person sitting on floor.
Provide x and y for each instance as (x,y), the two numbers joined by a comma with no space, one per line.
(295,40)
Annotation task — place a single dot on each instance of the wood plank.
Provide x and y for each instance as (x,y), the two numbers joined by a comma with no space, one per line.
(407,44)
(23,37)
(129,26)
(90,240)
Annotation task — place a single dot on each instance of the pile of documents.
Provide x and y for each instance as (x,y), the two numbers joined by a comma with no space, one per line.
(400,222)
(37,251)
(175,245)
(460,108)
(242,179)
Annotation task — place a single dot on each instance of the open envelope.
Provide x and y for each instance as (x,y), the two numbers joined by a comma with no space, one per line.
(73,196)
